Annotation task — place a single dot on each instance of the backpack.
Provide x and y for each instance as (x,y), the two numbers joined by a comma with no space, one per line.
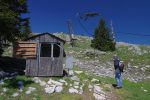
(121,67)
(116,62)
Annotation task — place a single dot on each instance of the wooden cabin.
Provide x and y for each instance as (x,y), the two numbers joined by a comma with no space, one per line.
(43,54)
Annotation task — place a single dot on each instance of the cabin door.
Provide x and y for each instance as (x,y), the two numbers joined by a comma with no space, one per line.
(45,60)
(50,63)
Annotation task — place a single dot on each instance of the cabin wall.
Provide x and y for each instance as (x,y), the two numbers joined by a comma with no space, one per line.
(31,67)
(55,67)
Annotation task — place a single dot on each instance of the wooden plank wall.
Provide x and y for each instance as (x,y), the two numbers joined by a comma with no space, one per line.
(44,66)
(25,49)
(31,67)
(57,67)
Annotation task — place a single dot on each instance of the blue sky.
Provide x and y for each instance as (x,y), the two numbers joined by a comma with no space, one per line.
(128,16)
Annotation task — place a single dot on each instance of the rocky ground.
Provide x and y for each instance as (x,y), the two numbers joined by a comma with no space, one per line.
(75,85)
(135,57)
(131,73)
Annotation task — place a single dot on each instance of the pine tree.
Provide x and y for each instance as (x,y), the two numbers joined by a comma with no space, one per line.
(102,39)
(12,25)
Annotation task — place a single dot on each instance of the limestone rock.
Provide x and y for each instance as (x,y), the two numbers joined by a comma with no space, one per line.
(63,81)
(15,94)
(58,89)
(31,88)
(70,84)
(36,80)
(5,89)
(28,92)
(72,90)
(76,83)
(90,87)
(71,72)
(52,82)
(145,90)
(80,91)
(76,87)
(97,89)
(78,72)
(94,80)
(42,83)
(75,78)
(50,89)
(99,97)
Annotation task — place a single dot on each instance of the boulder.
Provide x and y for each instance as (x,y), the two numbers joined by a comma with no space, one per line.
(5,89)
(72,90)
(76,83)
(15,94)
(63,81)
(50,89)
(145,90)
(80,91)
(31,88)
(42,83)
(99,97)
(76,87)
(71,72)
(94,80)
(90,87)
(75,78)
(70,84)
(52,82)
(36,80)
(147,66)
(46,85)
(78,72)
(28,92)
(97,89)
(58,89)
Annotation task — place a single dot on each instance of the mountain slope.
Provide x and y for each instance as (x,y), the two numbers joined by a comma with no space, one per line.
(135,57)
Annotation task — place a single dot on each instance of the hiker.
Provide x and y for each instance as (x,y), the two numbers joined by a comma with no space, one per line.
(117,72)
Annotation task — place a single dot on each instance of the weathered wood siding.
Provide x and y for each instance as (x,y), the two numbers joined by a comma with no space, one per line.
(45,66)
(45,38)
(31,67)
(25,49)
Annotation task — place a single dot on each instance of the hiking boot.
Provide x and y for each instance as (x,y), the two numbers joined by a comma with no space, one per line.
(118,87)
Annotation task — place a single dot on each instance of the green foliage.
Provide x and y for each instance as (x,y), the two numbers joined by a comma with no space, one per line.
(12,25)
(102,39)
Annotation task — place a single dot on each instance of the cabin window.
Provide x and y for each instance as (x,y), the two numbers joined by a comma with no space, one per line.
(45,50)
(56,50)
(50,50)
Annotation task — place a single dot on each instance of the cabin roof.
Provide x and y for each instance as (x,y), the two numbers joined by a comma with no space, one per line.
(45,34)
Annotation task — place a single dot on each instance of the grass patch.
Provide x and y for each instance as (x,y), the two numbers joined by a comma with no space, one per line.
(130,90)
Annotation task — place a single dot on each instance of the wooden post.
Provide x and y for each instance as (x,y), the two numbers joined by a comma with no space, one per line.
(39,49)
(52,47)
